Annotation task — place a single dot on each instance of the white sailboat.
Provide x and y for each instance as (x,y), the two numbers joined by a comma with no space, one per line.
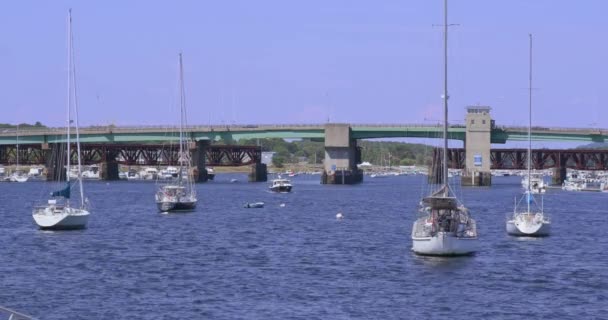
(59,212)
(532,220)
(18,175)
(445,227)
(535,182)
(179,195)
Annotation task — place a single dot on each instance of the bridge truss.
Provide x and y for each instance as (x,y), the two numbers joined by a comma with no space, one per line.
(134,154)
(517,159)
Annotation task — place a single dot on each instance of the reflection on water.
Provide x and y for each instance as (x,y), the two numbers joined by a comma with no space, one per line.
(443,262)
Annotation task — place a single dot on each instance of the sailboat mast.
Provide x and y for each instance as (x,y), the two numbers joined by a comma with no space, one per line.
(74,91)
(445,98)
(17,147)
(67,172)
(530,123)
(181,116)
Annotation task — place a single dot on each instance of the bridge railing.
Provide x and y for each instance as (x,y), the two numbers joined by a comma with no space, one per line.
(194,128)
(554,129)
(245,127)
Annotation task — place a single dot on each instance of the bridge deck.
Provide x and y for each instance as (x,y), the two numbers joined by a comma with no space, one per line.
(159,134)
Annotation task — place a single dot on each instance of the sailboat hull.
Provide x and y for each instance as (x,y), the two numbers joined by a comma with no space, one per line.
(19,178)
(67,219)
(444,244)
(176,206)
(528,229)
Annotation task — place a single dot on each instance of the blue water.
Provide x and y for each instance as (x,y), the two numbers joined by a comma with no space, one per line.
(297,261)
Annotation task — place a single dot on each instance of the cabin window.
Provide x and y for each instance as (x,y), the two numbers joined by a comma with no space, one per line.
(483,121)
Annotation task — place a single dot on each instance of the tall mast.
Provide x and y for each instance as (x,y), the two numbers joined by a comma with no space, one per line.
(530,122)
(75,91)
(445,98)
(181,116)
(67,173)
(17,147)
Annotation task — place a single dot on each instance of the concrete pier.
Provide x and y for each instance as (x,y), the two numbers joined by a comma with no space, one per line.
(559,176)
(109,170)
(54,162)
(476,179)
(258,173)
(198,157)
(341,156)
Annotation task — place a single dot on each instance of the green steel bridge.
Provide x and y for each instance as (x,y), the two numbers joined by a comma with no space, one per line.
(160,134)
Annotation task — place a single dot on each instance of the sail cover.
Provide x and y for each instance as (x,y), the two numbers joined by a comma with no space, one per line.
(65,192)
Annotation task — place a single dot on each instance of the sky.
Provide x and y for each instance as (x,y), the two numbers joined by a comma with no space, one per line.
(253,62)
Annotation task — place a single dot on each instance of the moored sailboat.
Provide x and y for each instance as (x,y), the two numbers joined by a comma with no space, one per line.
(60,212)
(531,221)
(179,194)
(445,227)
(18,175)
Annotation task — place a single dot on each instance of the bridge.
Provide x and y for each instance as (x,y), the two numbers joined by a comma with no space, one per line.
(159,134)
(341,152)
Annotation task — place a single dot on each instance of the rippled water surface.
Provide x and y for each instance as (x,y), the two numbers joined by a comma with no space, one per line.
(297,261)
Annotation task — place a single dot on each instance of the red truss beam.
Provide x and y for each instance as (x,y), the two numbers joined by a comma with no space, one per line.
(134,154)
(580,159)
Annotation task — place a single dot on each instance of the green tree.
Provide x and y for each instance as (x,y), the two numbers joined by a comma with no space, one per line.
(278,161)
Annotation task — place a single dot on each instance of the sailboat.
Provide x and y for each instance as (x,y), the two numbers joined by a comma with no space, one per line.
(529,221)
(444,227)
(179,195)
(60,212)
(18,175)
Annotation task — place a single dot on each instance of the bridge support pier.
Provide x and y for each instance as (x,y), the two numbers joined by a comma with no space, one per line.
(109,170)
(434,173)
(198,157)
(54,162)
(559,176)
(258,173)
(477,147)
(341,156)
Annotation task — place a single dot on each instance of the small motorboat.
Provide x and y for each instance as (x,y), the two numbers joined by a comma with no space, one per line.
(254,205)
(280,185)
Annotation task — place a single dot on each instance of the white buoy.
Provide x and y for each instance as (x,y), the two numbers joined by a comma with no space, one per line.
(282,205)
(339,216)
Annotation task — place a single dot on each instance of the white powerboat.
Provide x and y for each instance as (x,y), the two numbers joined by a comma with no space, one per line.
(536,182)
(574,184)
(281,185)
(91,173)
(531,221)
(168,173)
(18,176)
(149,173)
(59,212)
(444,227)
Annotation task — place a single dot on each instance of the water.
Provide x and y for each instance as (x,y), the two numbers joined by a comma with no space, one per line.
(298,261)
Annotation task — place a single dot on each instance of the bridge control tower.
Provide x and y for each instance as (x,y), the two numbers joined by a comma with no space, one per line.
(477,146)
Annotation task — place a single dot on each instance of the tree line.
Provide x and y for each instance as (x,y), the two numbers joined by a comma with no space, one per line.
(382,153)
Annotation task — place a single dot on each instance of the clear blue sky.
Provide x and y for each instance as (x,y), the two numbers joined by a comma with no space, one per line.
(304,61)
